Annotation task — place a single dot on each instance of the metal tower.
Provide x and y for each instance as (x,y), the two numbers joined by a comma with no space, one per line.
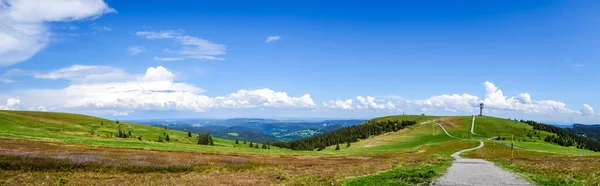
(481,109)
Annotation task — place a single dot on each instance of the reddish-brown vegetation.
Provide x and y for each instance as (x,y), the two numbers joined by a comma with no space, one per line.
(42,163)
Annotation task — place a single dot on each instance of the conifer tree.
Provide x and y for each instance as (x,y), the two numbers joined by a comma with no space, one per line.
(167,138)
(264,146)
(160,139)
(251,145)
(129,133)
(256,145)
(347,144)
(244,141)
(337,147)
(237,142)
(189,134)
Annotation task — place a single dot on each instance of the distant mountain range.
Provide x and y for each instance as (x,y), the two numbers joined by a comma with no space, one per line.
(567,126)
(253,129)
(588,130)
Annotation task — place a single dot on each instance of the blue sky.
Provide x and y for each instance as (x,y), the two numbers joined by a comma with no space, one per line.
(165,59)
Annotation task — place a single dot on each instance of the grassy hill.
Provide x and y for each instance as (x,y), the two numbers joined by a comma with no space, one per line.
(418,153)
(77,129)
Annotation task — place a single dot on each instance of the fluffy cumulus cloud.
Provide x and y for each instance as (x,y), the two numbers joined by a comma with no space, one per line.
(340,104)
(11,104)
(190,47)
(495,100)
(587,110)
(361,103)
(22,29)
(111,90)
(451,103)
(156,89)
(272,38)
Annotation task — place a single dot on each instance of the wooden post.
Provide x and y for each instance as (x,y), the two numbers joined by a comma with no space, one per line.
(512,145)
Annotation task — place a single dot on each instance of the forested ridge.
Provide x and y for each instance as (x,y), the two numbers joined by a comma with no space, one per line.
(565,137)
(346,135)
(590,131)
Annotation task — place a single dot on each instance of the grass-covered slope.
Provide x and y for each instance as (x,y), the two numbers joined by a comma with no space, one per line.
(524,135)
(77,129)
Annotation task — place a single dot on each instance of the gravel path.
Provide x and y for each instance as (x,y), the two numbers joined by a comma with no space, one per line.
(466,171)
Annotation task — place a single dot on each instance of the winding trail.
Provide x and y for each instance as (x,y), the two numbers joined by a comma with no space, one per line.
(473,127)
(465,171)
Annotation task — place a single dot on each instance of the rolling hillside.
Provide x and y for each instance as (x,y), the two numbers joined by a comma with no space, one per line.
(419,153)
(77,129)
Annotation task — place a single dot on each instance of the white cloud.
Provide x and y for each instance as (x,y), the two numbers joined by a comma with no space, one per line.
(120,114)
(587,110)
(361,103)
(135,50)
(22,29)
(495,100)
(11,104)
(272,38)
(451,103)
(191,47)
(339,104)
(84,74)
(168,58)
(155,90)
(524,98)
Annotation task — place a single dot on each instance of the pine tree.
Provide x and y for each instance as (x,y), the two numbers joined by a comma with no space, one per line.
(160,139)
(244,141)
(251,145)
(140,138)
(237,142)
(205,139)
(347,144)
(129,133)
(189,134)
(102,123)
(167,138)
(264,146)
(117,121)
(256,145)
(337,147)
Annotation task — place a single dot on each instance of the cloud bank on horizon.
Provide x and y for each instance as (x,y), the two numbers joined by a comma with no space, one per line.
(112,90)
